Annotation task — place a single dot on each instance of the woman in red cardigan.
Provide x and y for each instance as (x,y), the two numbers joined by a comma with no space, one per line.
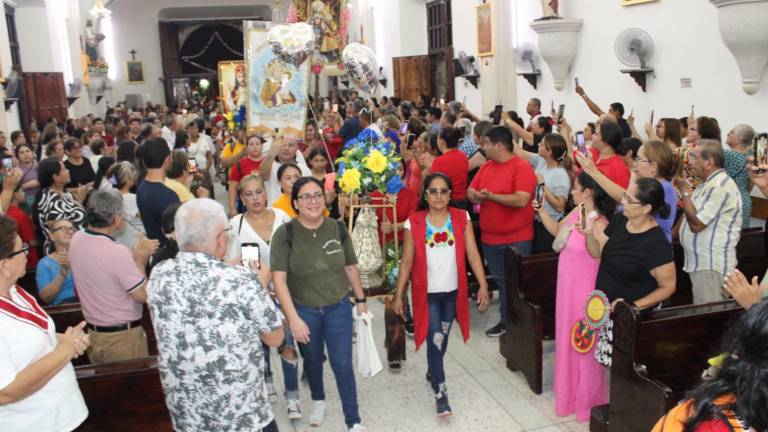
(436,241)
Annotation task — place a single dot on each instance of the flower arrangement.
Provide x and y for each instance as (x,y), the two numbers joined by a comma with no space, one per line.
(369,163)
(98,66)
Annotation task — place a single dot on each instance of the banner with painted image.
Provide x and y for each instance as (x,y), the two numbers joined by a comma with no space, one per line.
(278,96)
(233,85)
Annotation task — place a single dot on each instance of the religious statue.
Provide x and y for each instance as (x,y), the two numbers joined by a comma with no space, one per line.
(549,9)
(325,26)
(276,90)
(237,93)
(92,41)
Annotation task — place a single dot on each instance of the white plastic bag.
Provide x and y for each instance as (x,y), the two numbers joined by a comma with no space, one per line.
(368,363)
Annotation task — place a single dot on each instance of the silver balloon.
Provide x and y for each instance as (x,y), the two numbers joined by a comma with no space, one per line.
(362,68)
(292,43)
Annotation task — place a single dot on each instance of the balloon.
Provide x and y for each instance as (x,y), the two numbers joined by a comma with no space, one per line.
(361,65)
(292,43)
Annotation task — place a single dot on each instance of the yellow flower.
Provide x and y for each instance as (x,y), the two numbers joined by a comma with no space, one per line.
(229,116)
(376,162)
(350,181)
(231,125)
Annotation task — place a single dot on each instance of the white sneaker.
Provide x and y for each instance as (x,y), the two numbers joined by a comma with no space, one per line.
(358,427)
(271,392)
(317,414)
(294,409)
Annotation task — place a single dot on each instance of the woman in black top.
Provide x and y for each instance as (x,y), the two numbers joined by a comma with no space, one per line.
(636,260)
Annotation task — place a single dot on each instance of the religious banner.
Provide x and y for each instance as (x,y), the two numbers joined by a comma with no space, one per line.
(233,85)
(277,96)
(330,22)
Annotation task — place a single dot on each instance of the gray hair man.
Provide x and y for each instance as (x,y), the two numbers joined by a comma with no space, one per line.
(711,226)
(110,280)
(168,132)
(210,318)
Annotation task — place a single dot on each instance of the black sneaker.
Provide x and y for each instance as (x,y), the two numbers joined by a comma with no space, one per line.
(409,328)
(497,330)
(443,409)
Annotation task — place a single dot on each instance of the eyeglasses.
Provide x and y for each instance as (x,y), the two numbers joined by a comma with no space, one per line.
(317,196)
(630,200)
(438,192)
(638,160)
(67,228)
(24,249)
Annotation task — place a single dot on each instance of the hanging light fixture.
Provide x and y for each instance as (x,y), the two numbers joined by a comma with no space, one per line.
(99,11)
(204,83)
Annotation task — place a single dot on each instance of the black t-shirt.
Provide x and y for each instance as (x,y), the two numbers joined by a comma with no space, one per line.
(627,260)
(626,132)
(152,199)
(534,148)
(79,174)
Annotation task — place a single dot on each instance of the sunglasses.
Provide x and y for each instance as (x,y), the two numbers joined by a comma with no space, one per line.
(437,192)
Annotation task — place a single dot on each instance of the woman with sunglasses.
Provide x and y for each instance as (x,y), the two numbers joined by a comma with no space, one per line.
(636,261)
(654,160)
(55,283)
(313,265)
(438,240)
(38,388)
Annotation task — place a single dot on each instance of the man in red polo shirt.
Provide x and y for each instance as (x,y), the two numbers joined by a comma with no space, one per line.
(503,187)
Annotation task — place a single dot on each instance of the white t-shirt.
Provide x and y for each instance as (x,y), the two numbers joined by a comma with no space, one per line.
(130,233)
(199,149)
(273,186)
(244,233)
(58,405)
(442,273)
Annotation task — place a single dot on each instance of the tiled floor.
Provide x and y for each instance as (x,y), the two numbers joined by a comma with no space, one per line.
(484,395)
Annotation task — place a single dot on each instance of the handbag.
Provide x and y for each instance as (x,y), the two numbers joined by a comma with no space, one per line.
(561,239)
(368,362)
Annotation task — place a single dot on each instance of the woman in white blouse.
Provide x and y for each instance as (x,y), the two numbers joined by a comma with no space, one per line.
(38,388)
(257,225)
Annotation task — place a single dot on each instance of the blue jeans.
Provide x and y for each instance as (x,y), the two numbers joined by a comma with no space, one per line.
(442,312)
(494,256)
(290,367)
(331,326)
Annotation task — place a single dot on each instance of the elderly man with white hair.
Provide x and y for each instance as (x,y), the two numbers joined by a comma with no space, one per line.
(739,141)
(210,319)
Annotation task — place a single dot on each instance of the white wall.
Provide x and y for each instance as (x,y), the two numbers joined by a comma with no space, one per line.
(34,37)
(688,44)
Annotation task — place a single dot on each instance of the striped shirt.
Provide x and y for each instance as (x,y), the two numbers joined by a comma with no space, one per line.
(718,206)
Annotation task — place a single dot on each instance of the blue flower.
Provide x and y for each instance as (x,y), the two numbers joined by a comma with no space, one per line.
(341,168)
(395,185)
(367,135)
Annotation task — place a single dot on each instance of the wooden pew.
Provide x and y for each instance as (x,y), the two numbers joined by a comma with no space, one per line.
(531,287)
(123,396)
(658,356)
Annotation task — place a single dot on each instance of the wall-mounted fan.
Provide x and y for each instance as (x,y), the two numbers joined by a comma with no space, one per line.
(13,89)
(634,48)
(464,67)
(528,63)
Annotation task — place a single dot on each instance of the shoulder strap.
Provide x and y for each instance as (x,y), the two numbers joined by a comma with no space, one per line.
(342,230)
(289,234)
(240,225)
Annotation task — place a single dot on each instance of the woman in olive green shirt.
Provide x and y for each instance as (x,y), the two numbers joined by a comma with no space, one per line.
(313,266)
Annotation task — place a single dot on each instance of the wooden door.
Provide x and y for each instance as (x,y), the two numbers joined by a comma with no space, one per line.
(44,96)
(169,51)
(412,77)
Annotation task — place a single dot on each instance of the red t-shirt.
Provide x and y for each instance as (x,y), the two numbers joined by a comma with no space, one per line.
(414,175)
(501,224)
(455,165)
(613,167)
(407,204)
(243,168)
(25,230)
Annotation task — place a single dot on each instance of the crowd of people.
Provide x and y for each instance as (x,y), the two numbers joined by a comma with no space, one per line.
(118,212)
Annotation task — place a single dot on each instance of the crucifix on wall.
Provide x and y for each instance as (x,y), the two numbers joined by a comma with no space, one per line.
(133,52)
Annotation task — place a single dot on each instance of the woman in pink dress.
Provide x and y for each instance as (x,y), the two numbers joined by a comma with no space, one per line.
(579,381)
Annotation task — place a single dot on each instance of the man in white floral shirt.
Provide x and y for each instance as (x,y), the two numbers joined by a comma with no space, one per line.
(210,319)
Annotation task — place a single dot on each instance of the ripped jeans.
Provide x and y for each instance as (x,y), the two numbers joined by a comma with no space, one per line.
(442,312)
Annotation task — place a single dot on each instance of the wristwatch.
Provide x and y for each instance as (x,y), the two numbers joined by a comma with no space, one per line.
(359,301)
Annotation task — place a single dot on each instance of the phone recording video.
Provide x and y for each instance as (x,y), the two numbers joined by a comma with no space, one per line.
(539,193)
(580,144)
(560,112)
(583,216)
(192,166)
(496,114)
(249,252)
(8,164)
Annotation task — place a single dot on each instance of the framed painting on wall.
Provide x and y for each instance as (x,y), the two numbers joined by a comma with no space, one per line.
(634,2)
(233,85)
(135,72)
(484,30)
